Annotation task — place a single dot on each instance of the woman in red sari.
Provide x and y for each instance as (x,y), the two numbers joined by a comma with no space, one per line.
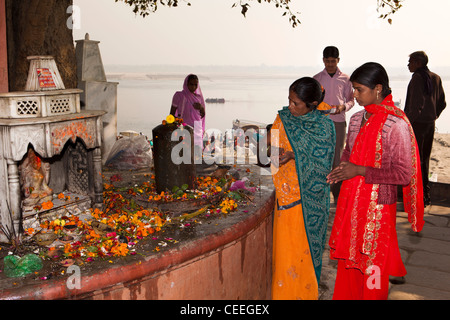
(380,154)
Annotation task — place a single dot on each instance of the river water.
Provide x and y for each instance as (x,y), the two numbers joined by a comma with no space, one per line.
(144,98)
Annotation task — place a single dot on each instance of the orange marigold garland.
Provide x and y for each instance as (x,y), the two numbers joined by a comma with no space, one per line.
(128,222)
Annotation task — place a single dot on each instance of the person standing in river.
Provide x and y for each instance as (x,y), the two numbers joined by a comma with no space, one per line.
(189,105)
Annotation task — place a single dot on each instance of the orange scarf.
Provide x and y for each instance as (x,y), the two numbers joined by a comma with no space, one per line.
(364,240)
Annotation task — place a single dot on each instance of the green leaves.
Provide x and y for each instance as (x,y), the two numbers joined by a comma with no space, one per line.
(178,192)
(392,6)
(244,9)
(279,4)
(145,7)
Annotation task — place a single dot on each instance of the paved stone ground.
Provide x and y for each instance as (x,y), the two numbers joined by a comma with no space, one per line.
(426,256)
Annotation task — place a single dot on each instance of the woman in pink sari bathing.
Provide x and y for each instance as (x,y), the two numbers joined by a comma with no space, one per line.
(189,105)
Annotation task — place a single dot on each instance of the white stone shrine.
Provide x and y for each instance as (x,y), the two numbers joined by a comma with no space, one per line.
(47,144)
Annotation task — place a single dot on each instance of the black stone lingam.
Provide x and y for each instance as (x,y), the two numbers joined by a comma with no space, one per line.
(173,153)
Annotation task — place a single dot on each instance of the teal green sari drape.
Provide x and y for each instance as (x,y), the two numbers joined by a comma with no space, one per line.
(313,138)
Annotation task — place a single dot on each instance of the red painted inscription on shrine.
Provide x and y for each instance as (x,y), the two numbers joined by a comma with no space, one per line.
(62,132)
(45,78)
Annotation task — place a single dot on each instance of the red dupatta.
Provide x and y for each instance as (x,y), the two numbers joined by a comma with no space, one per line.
(362,227)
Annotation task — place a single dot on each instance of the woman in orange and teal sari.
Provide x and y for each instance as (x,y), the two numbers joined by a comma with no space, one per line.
(305,139)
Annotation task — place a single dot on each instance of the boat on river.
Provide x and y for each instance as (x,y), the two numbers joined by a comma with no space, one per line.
(215,100)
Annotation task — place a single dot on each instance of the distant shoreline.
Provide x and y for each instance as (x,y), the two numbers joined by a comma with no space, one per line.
(142,76)
(139,76)
(182,70)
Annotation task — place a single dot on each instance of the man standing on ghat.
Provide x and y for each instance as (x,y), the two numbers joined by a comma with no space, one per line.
(339,95)
(425,101)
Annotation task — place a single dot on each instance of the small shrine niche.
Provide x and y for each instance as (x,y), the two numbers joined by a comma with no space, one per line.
(34,174)
(69,174)
(50,151)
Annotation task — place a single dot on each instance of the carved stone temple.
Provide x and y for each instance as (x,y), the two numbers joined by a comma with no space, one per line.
(48,147)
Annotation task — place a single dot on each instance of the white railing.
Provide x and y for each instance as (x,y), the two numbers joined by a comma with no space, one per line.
(28,104)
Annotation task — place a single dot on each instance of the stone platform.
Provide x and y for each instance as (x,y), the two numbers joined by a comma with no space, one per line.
(227,257)
(230,259)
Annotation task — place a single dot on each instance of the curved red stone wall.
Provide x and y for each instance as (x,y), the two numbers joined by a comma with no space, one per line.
(235,263)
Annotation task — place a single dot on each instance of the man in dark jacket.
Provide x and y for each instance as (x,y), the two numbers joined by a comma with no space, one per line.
(425,101)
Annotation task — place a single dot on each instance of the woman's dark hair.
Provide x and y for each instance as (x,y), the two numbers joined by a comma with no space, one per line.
(370,74)
(308,90)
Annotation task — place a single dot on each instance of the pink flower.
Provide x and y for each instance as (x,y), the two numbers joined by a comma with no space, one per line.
(237,185)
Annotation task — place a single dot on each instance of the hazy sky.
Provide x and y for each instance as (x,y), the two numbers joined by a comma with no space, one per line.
(210,32)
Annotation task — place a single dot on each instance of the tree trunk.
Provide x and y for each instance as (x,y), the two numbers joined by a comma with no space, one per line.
(39,27)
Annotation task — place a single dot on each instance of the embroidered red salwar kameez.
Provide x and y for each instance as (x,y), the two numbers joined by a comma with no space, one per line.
(363,236)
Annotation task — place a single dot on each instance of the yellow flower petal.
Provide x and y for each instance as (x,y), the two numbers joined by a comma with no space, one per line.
(170,119)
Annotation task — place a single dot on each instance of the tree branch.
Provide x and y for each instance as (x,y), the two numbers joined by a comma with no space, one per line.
(392,6)
(281,4)
(145,7)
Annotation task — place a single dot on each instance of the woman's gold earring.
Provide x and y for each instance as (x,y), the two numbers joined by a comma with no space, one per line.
(378,93)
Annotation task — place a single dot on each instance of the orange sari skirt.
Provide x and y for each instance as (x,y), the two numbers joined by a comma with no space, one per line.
(293,275)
